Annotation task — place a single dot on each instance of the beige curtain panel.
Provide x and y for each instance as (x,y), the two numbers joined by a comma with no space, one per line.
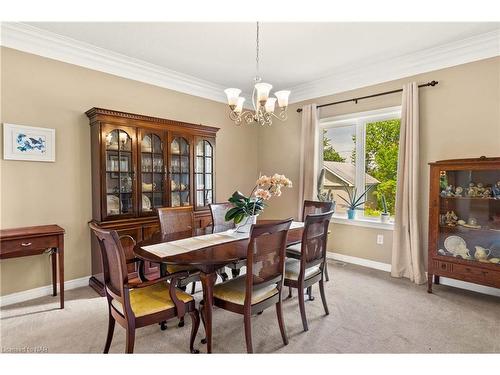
(407,252)
(309,155)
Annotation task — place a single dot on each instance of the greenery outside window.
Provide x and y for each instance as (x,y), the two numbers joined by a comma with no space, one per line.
(360,150)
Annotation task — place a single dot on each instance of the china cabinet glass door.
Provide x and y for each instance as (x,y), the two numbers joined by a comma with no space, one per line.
(119,173)
(469,215)
(204,173)
(152,180)
(180,169)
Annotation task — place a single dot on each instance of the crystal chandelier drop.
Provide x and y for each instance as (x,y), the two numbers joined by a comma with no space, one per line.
(263,105)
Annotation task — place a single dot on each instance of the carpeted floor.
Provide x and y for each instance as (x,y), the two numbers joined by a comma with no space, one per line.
(369,313)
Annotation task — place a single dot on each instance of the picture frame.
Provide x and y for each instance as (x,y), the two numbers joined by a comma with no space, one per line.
(29,143)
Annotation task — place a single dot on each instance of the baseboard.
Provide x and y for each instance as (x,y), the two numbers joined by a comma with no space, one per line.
(359,261)
(468,286)
(387,268)
(42,291)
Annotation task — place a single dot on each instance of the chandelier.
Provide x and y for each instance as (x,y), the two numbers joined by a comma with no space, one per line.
(263,105)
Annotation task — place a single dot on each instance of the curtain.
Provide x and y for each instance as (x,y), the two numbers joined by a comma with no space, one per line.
(407,252)
(309,155)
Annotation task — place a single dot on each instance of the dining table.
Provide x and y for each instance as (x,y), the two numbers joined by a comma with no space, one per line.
(207,249)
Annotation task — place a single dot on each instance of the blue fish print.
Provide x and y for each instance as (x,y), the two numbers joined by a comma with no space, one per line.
(26,144)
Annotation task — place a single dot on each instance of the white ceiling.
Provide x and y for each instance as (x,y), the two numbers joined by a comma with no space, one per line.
(292,53)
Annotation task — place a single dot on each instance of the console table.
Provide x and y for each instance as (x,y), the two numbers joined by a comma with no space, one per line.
(21,242)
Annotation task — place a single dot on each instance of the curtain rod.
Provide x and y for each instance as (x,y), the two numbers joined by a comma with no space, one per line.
(355,100)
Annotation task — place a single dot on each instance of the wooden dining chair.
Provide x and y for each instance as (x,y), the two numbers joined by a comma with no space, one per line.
(174,220)
(311,207)
(136,305)
(218,211)
(261,286)
(307,269)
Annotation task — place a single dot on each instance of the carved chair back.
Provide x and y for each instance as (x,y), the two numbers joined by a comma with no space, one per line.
(113,263)
(316,207)
(218,211)
(314,239)
(176,219)
(266,256)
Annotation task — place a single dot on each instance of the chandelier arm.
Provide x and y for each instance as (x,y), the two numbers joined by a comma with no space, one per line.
(282,116)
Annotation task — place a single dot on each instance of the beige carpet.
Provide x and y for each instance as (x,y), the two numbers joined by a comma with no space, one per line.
(369,313)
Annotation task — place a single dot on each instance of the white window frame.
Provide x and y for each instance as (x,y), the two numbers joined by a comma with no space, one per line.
(359,121)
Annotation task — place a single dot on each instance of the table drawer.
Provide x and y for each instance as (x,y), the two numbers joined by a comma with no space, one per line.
(24,246)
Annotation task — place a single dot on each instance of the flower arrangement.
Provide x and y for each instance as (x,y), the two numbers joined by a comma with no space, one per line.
(265,188)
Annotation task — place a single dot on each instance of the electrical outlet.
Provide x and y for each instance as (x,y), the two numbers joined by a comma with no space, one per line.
(380,239)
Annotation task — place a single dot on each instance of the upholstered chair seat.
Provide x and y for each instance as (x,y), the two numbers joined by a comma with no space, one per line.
(297,248)
(234,291)
(152,299)
(292,269)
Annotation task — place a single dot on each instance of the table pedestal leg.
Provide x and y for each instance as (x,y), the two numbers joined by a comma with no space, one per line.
(208,282)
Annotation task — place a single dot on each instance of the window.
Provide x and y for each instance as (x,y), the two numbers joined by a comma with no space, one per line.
(360,151)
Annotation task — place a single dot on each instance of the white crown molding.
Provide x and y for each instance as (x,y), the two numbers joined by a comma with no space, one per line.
(42,291)
(54,46)
(44,43)
(475,48)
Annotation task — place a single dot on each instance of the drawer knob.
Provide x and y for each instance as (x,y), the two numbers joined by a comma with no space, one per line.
(26,244)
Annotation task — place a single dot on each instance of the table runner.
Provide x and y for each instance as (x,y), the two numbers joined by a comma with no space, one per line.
(195,243)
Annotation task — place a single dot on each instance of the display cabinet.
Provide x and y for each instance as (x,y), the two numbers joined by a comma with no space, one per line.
(464,221)
(141,163)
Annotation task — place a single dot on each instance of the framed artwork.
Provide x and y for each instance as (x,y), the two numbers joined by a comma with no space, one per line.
(28,143)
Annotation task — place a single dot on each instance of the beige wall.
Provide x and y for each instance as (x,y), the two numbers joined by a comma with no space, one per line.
(459,118)
(41,92)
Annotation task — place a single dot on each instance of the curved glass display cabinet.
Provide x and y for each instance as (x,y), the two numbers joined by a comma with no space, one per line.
(464,221)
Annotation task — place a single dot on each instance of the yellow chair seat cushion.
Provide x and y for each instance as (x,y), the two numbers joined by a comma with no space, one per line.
(292,269)
(234,291)
(173,268)
(152,299)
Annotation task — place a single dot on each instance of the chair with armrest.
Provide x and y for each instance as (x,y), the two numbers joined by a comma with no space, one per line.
(218,211)
(261,286)
(138,304)
(307,268)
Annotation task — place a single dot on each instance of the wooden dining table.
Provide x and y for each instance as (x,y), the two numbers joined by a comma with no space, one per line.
(207,259)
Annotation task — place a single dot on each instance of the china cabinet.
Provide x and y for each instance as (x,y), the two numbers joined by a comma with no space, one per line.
(464,221)
(141,163)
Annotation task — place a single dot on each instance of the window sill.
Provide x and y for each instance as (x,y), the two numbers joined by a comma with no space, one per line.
(362,222)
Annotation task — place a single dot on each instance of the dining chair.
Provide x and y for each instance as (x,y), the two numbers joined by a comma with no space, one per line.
(307,268)
(261,286)
(175,220)
(218,211)
(311,207)
(138,304)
